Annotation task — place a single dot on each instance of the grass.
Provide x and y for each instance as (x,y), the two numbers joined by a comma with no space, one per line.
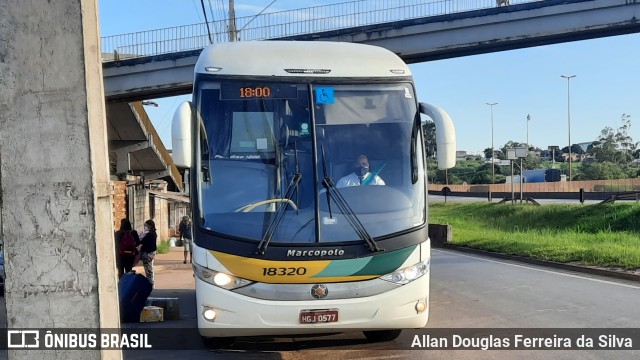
(163,247)
(600,235)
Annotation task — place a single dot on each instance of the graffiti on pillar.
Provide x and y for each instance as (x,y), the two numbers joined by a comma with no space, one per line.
(56,216)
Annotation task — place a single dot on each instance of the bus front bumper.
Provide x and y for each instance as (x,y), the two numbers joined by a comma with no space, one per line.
(240,315)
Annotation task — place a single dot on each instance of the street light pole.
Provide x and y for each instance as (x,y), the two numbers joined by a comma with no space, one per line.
(493,152)
(528,118)
(568,77)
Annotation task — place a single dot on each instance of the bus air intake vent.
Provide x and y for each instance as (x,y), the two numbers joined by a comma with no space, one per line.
(307,71)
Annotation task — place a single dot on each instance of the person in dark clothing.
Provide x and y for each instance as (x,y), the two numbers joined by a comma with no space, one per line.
(125,263)
(185,236)
(149,247)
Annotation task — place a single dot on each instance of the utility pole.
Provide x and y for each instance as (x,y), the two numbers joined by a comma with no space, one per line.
(568,77)
(233,34)
(493,152)
(528,118)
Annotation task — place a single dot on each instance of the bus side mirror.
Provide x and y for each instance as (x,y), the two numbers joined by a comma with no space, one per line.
(181,135)
(445,135)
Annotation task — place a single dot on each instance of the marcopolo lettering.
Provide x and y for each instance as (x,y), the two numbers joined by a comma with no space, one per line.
(317,252)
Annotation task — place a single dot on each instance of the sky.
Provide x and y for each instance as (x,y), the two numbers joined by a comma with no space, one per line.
(522,82)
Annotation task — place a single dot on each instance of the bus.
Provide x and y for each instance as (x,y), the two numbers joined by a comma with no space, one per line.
(283,243)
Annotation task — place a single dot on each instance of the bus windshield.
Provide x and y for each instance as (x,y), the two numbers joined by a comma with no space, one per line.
(269,150)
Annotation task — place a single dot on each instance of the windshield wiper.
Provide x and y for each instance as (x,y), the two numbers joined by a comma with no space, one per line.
(279,215)
(346,210)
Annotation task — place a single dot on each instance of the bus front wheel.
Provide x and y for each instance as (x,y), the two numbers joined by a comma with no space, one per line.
(382,335)
(217,342)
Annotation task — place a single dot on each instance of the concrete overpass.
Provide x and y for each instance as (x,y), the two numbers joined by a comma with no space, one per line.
(416,40)
(136,148)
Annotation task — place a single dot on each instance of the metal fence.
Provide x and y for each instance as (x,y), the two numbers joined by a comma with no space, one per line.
(614,185)
(285,23)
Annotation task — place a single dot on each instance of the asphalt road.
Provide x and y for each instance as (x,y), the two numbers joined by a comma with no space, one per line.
(467,291)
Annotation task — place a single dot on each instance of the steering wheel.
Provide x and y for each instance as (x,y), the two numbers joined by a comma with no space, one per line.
(249,207)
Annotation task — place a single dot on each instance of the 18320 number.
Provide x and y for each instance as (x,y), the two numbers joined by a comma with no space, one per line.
(284,271)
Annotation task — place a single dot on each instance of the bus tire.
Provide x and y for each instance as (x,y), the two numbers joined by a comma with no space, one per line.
(217,342)
(382,335)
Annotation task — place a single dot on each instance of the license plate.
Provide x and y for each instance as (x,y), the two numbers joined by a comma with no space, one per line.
(318,316)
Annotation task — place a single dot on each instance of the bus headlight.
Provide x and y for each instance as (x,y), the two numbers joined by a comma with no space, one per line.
(408,274)
(219,279)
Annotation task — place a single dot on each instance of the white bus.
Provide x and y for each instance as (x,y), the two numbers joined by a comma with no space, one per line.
(308,190)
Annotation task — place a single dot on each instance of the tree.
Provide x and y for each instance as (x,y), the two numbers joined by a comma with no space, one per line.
(429,131)
(575,149)
(624,139)
(481,178)
(488,153)
(512,144)
(531,162)
(602,171)
(615,146)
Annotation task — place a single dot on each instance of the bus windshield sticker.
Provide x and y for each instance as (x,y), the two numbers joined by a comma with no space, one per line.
(407,94)
(324,95)
(304,129)
(261,143)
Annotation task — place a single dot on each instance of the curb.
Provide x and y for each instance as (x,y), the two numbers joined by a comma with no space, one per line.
(164,267)
(618,274)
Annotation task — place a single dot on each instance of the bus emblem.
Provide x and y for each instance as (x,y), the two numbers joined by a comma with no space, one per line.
(319,291)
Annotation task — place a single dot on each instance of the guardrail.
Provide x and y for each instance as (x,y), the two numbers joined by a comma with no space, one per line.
(283,24)
(604,186)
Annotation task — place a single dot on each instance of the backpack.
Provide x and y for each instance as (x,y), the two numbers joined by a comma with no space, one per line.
(127,244)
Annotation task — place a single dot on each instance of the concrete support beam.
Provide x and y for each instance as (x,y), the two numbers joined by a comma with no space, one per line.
(123,162)
(156,175)
(54,176)
(166,75)
(129,146)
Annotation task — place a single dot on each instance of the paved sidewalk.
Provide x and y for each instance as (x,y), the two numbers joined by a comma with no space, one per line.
(170,273)
(165,262)
(173,279)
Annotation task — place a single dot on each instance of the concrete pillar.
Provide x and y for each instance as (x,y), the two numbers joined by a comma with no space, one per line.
(54,177)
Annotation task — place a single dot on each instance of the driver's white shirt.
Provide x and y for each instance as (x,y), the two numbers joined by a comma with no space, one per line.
(353,180)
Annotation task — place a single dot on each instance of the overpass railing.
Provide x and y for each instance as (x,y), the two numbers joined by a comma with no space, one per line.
(284,24)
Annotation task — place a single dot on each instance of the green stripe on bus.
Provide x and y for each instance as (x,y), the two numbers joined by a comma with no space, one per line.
(343,267)
(386,263)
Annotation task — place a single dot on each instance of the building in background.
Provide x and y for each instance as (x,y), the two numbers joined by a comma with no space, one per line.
(145,183)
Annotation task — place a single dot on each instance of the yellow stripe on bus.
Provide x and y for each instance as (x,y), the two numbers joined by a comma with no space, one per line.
(281,272)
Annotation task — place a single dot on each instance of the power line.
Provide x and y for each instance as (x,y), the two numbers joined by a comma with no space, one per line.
(258,14)
(206,21)
(196,8)
(222,10)
(216,30)
(166,125)
(220,24)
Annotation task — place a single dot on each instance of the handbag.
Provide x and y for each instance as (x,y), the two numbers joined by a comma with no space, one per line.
(179,242)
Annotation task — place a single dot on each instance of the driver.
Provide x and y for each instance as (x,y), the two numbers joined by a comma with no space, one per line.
(360,175)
